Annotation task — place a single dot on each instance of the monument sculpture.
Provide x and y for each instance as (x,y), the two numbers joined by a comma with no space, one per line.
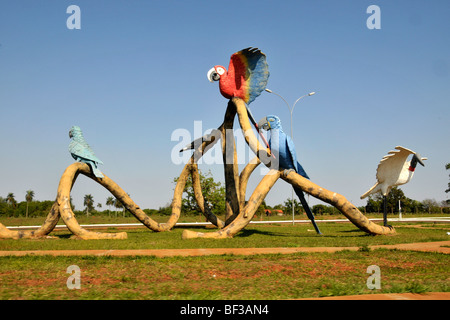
(245,79)
(394,170)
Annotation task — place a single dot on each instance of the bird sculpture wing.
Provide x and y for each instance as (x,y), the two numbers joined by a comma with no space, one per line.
(388,170)
(251,73)
(290,148)
(83,150)
(392,163)
(288,156)
(293,154)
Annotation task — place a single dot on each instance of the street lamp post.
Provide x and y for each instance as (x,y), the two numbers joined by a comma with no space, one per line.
(291,111)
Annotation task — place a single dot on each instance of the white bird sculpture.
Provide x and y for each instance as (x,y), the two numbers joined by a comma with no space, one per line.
(394,170)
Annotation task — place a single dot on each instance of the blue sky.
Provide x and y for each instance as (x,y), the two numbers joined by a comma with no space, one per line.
(136,71)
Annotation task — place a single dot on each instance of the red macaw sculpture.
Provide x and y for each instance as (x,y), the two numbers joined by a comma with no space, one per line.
(246,78)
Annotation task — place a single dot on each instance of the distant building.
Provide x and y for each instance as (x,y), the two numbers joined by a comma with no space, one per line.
(275,211)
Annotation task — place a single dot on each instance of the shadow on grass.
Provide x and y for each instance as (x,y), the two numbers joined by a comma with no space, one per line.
(350,231)
(63,236)
(249,232)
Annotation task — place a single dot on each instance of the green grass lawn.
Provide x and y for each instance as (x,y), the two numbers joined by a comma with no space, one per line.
(103,218)
(274,235)
(267,277)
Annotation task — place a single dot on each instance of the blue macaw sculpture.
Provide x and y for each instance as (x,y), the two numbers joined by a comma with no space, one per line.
(82,152)
(283,148)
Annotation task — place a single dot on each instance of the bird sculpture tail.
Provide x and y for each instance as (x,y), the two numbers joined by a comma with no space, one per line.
(301,171)
(305,206)
(374,189)
(95,170)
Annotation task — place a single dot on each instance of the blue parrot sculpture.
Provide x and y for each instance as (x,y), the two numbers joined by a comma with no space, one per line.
(82,152)
(283,146)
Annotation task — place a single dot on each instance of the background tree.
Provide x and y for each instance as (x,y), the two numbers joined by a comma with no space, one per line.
(373,205)
(431,206)
(29,197)
(119,205)
(261,209)
(213,193)
(279,207)
(394,196)
(321,209)
(4,207)
(415,206)
(298,209)
(10,199)
(109,203)
(88,203)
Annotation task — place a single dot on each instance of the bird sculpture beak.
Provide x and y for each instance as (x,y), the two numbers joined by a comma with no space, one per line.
(70,134)
(419,159)
(264,124)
